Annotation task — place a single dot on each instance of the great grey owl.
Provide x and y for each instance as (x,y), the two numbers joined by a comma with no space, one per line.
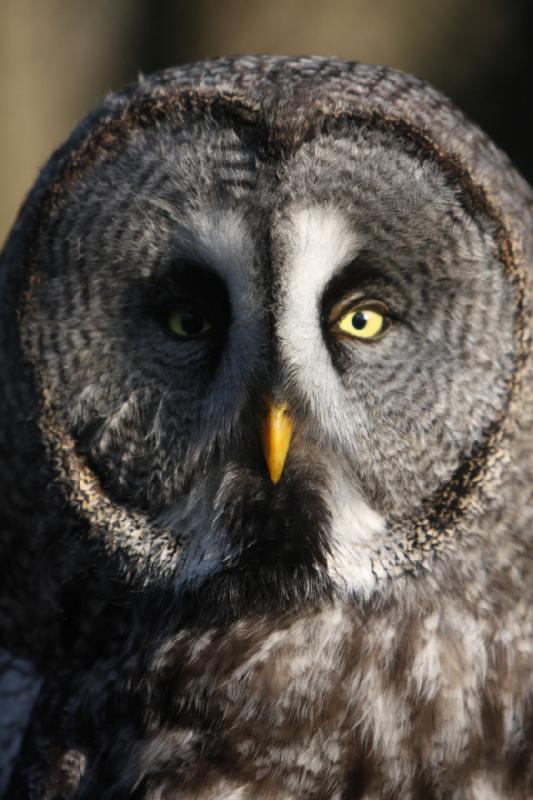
(266,426)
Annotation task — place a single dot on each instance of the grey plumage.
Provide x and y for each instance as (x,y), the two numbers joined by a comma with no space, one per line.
(361,629)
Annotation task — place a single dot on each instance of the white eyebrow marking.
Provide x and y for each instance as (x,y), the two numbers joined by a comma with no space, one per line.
(320,242)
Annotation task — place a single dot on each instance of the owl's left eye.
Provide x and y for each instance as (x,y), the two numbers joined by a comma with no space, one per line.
(366,320)
(188,323)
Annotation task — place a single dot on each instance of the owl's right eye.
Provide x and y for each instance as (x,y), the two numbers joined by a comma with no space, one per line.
(188,323)
(190,304)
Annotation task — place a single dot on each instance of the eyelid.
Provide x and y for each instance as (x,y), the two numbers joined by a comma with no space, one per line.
(355,302)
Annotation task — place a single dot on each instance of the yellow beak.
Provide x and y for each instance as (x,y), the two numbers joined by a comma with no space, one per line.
(276,433)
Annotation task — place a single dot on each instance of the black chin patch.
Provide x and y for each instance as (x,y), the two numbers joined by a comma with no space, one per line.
(274,524)
(278,537)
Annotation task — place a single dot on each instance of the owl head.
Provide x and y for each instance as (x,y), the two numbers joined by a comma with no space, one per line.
(269,319)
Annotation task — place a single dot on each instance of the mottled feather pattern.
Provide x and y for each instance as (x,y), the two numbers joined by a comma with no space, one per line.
(363,628)
(414,708)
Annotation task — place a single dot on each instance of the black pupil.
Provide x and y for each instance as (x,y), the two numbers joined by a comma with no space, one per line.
(192,323)
(359,320)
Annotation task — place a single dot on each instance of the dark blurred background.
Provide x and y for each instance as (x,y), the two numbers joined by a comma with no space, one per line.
(57,57)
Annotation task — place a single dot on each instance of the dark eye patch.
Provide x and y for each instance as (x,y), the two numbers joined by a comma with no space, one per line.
(358,283)
(361,278)
(186,284)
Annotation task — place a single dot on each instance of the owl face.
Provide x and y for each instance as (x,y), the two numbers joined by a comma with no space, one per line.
(202,277)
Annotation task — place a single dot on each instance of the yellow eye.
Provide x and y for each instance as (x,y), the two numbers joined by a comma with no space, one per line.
(365,321)
(188,323)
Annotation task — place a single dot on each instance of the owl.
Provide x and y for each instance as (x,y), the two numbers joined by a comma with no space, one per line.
(266,427)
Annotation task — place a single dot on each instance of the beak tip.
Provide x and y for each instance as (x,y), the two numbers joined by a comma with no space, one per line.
(275,476)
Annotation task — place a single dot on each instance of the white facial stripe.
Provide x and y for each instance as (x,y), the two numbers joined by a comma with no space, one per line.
(321,243)
(221,239)
(355,535)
